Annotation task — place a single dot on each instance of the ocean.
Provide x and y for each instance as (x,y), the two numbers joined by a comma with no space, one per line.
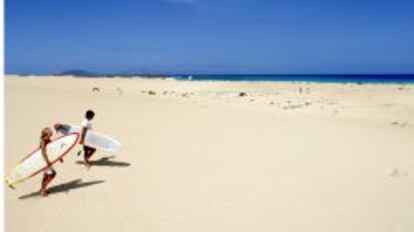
(325,78)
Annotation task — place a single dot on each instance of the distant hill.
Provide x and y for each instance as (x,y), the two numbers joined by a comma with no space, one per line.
(77,72)
(85,73)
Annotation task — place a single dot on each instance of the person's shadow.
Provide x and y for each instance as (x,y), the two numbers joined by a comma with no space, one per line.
(106,161)
(64,188)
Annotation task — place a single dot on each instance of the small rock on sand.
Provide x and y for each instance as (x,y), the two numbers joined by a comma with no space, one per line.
(120,92)
(398,173)
(292,107)
(401,124)
(395,173)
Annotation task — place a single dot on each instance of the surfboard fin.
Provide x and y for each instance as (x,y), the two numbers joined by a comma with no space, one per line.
(7,180)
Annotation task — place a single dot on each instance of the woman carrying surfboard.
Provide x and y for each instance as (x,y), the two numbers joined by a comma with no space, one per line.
(49,173)
(87,125)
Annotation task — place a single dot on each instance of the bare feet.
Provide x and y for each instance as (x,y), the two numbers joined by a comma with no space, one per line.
(87,164)
(44,192)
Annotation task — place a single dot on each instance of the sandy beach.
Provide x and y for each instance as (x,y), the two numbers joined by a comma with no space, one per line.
(217,156)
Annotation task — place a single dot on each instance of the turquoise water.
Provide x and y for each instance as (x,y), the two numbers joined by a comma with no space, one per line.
(354,78)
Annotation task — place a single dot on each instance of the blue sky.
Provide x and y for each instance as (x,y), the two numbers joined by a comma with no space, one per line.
(210,36)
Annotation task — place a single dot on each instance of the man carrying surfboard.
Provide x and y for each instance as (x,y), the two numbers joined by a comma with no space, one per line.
(87,125)
(49,173)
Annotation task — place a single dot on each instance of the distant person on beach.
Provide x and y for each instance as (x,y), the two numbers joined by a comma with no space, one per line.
(86,126)
(49,173)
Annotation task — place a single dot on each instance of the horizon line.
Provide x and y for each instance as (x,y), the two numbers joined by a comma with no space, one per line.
(210,74)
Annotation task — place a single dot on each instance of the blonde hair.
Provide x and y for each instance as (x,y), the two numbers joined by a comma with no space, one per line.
(46,132)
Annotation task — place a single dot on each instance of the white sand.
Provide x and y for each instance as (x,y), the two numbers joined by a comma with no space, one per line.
(197,157)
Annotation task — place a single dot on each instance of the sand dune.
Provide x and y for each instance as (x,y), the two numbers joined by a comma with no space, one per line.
(218,156)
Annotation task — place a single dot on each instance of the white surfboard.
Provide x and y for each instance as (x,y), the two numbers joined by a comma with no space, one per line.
(34,163)
(92,138)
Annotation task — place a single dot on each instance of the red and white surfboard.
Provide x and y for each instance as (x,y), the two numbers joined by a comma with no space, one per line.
(34,163)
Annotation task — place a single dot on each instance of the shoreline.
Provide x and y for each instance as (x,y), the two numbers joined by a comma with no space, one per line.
(201,79)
